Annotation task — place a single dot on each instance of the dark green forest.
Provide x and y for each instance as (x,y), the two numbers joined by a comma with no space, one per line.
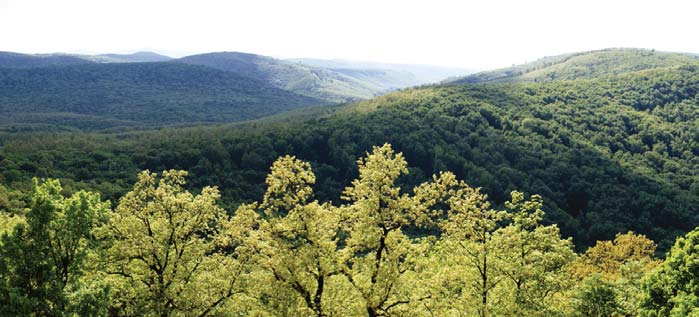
(116,95)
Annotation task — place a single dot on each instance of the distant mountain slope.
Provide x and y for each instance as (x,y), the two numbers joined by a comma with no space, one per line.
(17,60)
(592,64)
(98,96)
(397,75)
(304,80)
(138,57)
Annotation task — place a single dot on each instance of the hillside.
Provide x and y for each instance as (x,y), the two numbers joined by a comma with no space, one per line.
(608,155)
(17,60)
(138,57)
(584,65)
(394,75)
(102,96)
(304,80)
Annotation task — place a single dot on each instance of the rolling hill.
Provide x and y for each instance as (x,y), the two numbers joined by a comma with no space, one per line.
(335,81)
(608,154)
(396,75)
(583,65)
(314,82)
(98,96)
(138,57)
(17,60)
(97,92)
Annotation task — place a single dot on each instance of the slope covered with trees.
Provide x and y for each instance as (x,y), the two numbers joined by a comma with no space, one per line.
(316,82)
(608,155)
(137,57)
(100,96)
(389,75)
(584,65)
(17,60)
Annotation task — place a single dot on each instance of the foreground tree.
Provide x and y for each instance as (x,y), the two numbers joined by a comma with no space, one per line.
(42,259)
(533,261)
(294,239)
(470,249)
(673,289)
(613,266)
(377,257)
(165,256)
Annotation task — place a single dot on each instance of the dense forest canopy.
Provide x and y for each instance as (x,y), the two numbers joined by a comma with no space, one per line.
(572,194)
(101,96)
(164,250)
(608,155)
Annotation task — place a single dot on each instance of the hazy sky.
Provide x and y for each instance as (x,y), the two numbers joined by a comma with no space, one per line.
(474,34)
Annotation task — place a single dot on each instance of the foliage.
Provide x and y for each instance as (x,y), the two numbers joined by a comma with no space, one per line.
(673,289)
(611,273)
(441,249)
(597,297)
(163,254)
(42,258)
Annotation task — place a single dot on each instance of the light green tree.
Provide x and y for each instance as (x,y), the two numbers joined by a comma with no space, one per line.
(166,256)
(534,260)
(377,257)
(618,265)
(295,240)
(470,250)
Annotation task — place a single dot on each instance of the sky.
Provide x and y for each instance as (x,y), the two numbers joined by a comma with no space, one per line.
(468,34)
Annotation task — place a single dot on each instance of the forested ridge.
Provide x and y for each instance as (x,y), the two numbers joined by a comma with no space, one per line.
(583,65)
(498,199)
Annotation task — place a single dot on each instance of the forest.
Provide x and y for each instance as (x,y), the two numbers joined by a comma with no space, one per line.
(568,187)
(609,155)
(439,249)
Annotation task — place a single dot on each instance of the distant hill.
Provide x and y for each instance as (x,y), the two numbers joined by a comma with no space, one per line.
(584,65)
(17,60)
(399,75)
(304,80)
(334,81)
(97,96)
(138,57)
(97,92)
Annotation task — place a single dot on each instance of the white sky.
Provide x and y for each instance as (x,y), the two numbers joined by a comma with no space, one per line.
(473,34)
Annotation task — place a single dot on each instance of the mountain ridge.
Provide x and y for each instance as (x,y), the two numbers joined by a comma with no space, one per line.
(588,64)
(309,81)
